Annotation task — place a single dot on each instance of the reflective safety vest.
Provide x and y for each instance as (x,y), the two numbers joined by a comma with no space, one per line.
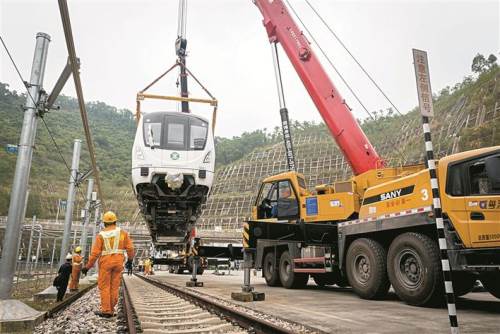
(76,263)
(108,247)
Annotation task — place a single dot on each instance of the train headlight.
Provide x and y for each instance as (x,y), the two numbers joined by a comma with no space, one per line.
(208,158)
(139,155)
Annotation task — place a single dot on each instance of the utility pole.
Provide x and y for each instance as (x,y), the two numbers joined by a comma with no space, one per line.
(23,165)
(21,234)
(86,219)
(71,199)
(97,218)
(38,247)
(30,244)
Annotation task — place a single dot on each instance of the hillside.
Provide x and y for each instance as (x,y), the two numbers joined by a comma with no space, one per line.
(113,131)
(465,119)
(467,116)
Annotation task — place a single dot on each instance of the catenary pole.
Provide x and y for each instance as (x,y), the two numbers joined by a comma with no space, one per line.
(30,245)
(71,199)
(23,166)
(86,219)
(97,219)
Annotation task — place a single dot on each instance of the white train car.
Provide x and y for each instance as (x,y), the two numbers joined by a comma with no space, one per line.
(173,161)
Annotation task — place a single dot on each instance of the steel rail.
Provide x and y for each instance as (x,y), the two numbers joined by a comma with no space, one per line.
(128,310)
(244,320)
(68,34)
(68,301)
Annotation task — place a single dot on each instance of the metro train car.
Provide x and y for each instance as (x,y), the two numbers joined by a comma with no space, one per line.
(173,161)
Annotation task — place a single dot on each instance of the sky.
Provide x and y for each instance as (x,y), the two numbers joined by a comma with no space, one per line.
(123,45)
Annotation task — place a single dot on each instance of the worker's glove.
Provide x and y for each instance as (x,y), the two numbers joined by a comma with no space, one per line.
(84,271)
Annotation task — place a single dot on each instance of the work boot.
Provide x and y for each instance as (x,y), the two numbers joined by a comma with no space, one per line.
(103,315)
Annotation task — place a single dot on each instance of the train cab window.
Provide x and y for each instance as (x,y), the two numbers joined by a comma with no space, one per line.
(152,129)
(198,134)
(175,135)
(152,132)
(287,205)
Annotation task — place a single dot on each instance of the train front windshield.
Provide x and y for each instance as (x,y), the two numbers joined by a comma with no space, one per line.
(175,132)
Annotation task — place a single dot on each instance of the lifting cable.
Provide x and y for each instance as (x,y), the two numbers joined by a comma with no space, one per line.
(352,56)
(329,61)
(68,34)
(401,153)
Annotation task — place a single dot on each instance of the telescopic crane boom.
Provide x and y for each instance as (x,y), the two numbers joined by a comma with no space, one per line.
(281,28)
(180,51)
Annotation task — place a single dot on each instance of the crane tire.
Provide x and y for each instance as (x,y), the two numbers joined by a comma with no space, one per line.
(414,268)
(270,270)
(367,269)
(289,278)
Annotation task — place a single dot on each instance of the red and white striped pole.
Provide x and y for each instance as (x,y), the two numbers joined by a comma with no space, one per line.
(426,109)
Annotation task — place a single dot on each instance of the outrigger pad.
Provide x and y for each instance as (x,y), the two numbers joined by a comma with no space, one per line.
(248,296)
(192,284)
(258,296)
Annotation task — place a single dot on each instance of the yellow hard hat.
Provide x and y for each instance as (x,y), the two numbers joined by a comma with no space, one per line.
(109,218)
(78,249)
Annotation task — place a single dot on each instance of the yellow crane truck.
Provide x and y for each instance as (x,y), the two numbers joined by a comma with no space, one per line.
(376,229)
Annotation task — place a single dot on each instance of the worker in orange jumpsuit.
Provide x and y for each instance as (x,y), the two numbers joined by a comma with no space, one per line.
(147,267)
(110,247)
(75,269)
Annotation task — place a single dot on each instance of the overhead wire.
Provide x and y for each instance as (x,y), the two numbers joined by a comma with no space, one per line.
(401,154)
(329,61)
(26,85)
(352,56)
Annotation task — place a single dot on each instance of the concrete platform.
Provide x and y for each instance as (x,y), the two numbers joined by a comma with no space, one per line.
(339,310)
(49,293)
(17,317)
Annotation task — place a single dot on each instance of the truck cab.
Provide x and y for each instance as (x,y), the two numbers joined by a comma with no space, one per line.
(285,197)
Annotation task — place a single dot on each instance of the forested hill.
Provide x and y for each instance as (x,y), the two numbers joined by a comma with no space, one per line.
(113,131)
(466,108)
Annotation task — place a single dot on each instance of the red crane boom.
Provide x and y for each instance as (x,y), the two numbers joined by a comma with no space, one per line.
(346,131)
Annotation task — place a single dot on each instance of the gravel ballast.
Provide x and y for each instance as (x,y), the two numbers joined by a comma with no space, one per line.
(79,317)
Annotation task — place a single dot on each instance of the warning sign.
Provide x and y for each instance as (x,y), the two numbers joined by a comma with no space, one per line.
(423,83)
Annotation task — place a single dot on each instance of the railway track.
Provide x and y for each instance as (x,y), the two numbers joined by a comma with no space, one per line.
(161,311)
(153,306)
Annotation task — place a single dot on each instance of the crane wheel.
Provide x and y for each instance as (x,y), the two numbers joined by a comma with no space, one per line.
(490,281)
(366,269)
(270,270)
(415,270)
(289,278)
